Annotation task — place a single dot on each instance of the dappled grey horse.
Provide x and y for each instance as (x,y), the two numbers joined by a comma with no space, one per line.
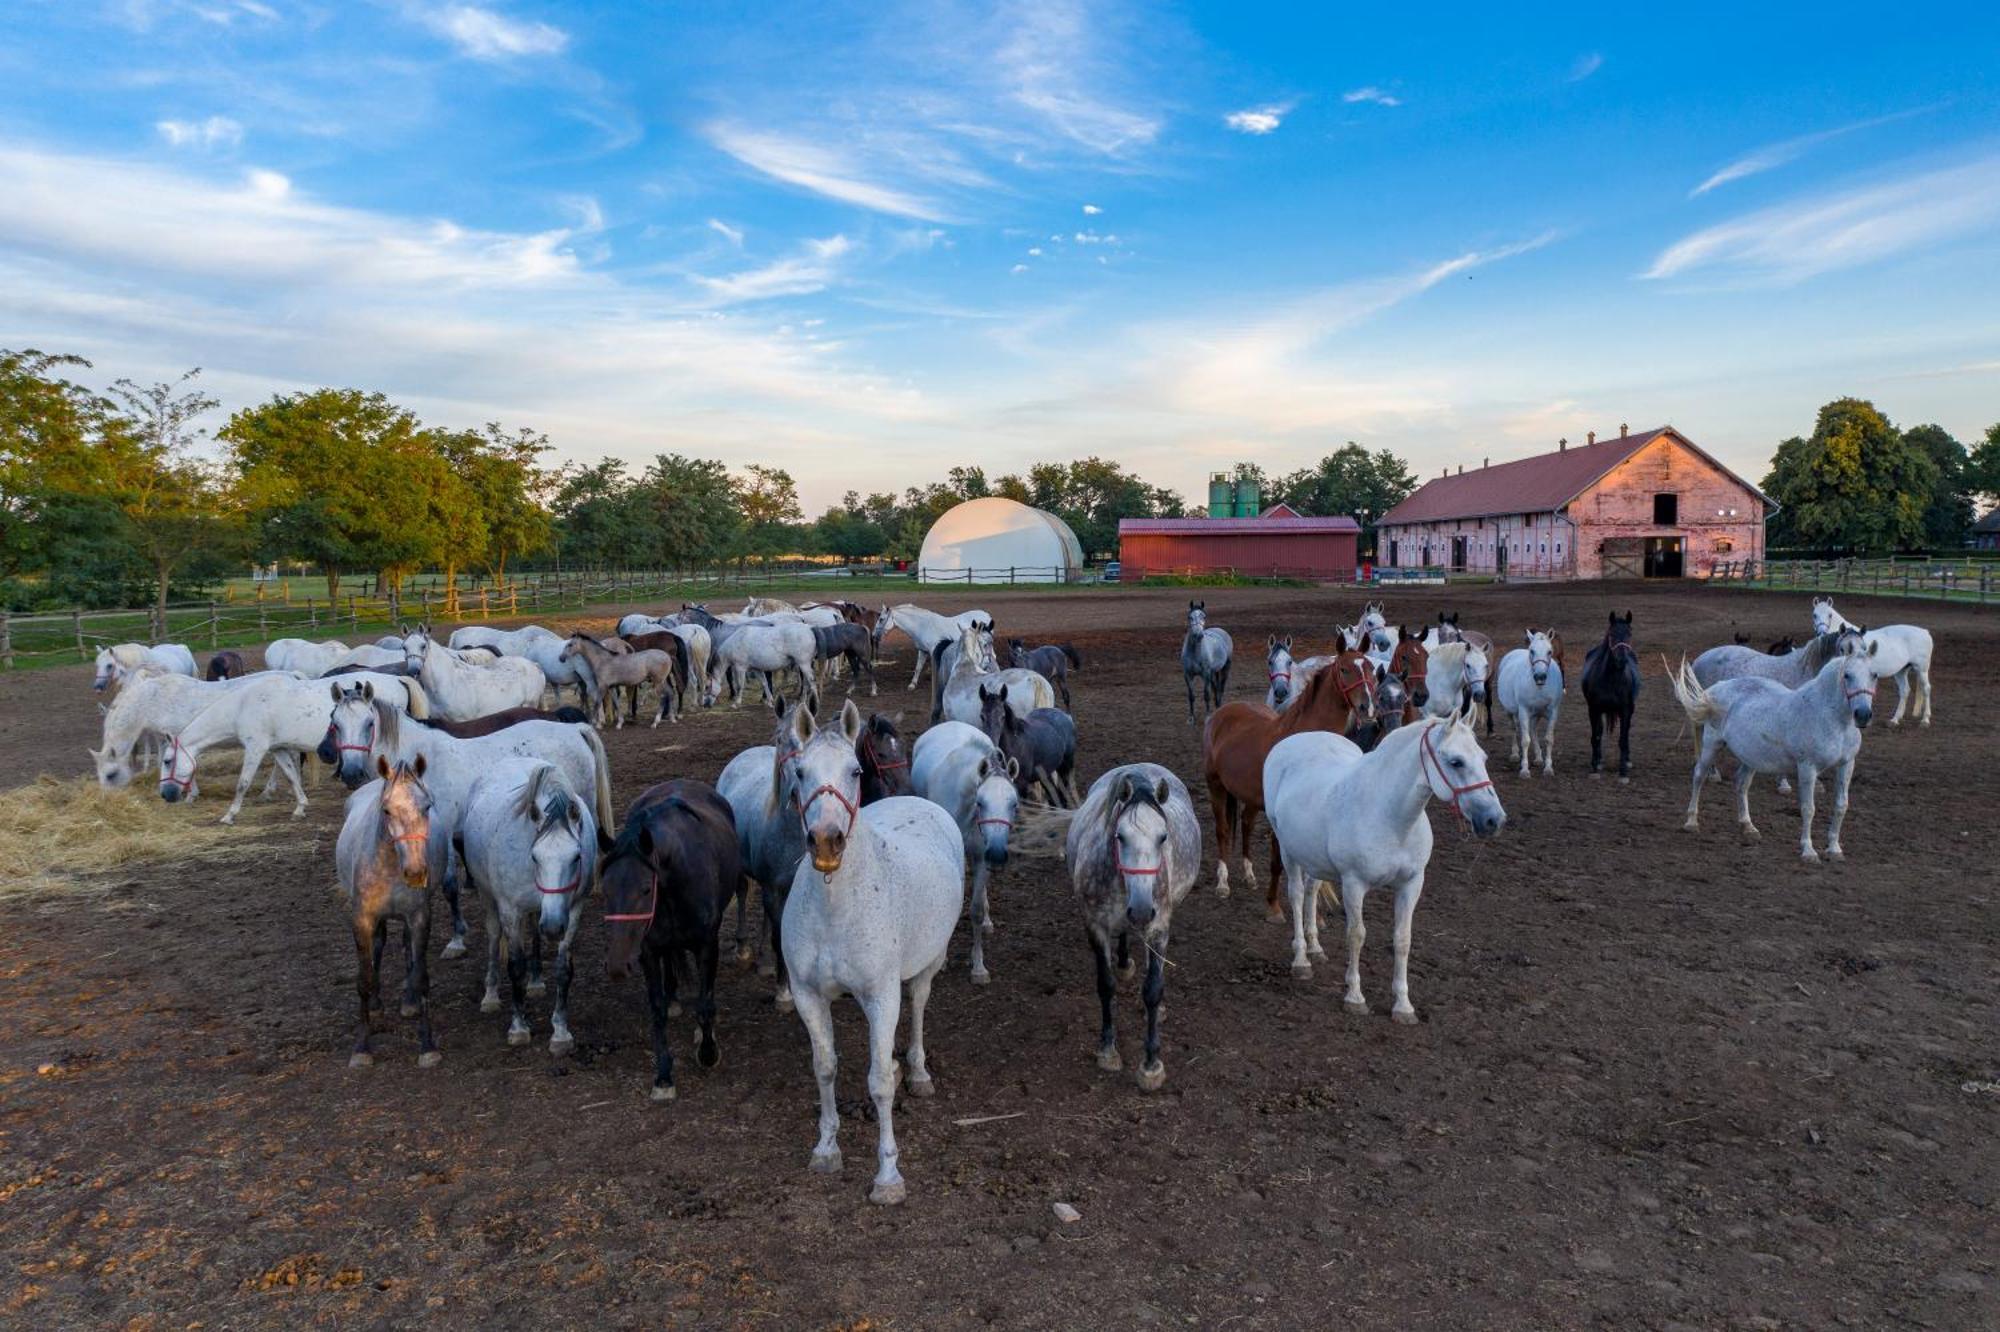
(1205,655)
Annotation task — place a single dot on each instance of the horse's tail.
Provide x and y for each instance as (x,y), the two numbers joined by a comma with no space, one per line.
(416,702)
(605,817)
(1075,657)
(1695,701)
(1040,829)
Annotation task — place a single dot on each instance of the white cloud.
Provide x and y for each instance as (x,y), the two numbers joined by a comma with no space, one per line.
(734,235)
(1779,154)
(1257,120)
(214,132)
(1856,226)
(1035,251)
(821,170)
(797,275)
(1091,210)
(1586,65)
(1018,268)
(485,34)
(1058,67)
(1370,94)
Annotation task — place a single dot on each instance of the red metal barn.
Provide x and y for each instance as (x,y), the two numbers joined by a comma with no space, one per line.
(1279,542)
(1651,505)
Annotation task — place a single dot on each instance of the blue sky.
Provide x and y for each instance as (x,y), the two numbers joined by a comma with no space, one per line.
(869,242)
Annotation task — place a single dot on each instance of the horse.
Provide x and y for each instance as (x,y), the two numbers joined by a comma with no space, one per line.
(871,908)
(1769,728)
(666,882)
(120,660)
(380,656)
(150,707)
(848,642)
(1529,686)
(885,764)
(270,713)
(365,725)
(529,848)
(736,649)
(1041,747)
(1781,646)
(1791,670)
(491,722)
(1357,820)
(959,769)
(1280,666)
(669,641)
(959,699)
(610,672)
(1393,707)
(1237,738)
(760,786)
(225,665)
(400,666)
(460,691)
(1905,655)
(1448,631)
(927,629)
(1455,674)
(1373,624)
(1205,654)
(303,655)
(538,644)
(1611,684)
(1052,661)
(696,644)
(383,863)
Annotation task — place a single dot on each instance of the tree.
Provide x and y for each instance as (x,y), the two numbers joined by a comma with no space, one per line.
(1982,472)
(1353,481)
(503,475)
(1857,484)
(174,508)
(53,474)
(600,515)
(693,508)
(769,500)
(1948,515)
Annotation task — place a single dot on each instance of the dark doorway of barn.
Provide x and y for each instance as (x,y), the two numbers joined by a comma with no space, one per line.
(1500,556)
(1458,554)
(1663,557)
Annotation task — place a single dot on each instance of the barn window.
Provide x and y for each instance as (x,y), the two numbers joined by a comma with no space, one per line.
(1723,545)
(1666,509)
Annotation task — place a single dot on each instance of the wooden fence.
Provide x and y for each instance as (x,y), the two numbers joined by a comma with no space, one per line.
(1970,582)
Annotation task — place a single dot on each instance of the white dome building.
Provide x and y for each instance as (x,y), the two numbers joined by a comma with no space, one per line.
(996,540)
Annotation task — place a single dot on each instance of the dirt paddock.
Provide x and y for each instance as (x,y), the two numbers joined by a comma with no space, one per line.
(1662,1079)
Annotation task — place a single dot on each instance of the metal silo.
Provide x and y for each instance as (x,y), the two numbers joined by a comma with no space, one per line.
(1249,498)
(1221,496)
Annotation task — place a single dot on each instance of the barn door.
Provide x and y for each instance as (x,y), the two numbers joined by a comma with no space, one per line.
(1624,557)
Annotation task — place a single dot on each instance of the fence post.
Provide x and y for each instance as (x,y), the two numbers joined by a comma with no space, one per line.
(482,603)
(263,621)
(6,641)
(214,626)
(312,616)
(76,623)
(395,607)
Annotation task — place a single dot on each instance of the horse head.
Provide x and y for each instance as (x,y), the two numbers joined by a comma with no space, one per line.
(996,801)
(1197,616)
(826,783)
(1279,664)
(995,716)
(406,817)
(1541,654)
(109,671)
(1857,683)
(1392,697)
(564,850)
(881,748)
(353,726)
(1139,848)
(1411,661)
(1455,767)
(1825,619)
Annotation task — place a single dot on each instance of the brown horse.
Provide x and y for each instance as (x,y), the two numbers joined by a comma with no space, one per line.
(1239,736)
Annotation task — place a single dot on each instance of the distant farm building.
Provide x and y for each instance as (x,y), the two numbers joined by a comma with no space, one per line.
(1986,532)
(1648,505)
(1277,542)
(996,540)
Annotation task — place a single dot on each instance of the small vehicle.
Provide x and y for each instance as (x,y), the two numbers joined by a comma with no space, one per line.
(1111,572)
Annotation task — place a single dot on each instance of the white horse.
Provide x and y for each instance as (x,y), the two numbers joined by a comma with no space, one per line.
(1357,820)
(1026,689)
(871,908)
(152,706)
(927,629)
(122,659)
(461,691)
(1904,653)
(1281,667)
(760,787)
(305,656)
(1455,671)
(956,767)
(273,713)
(1529,687)
(1205,655)
(529,845)
(759,647)
(1801,732)
(363,725)
(535,643)
(383,655)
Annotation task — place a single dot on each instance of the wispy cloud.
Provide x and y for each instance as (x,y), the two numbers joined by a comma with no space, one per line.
(1091,210)
(214,132)
(1369,94)
(486,34)
(734,235)
(819,169)
(1775,155)
(1258,119)
(1858,225)
(1061,67)
(800,274)
(1585,65)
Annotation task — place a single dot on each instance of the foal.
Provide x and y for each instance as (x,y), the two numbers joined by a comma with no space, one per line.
(382,859)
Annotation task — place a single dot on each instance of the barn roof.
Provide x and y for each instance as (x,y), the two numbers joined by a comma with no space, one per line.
(1298,526)
(1540,484)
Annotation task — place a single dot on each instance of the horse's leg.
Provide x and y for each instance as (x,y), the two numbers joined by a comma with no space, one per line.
(1187,678)
(1549,739)
(1745,774)
(658,970)
(364,986)
(919,1082)
(419,982)
(817,1013)
(1596,740)
(1407,893)
(976,910)
(1223,806)
(560,1041)
(922,657)
(1704,764)
(1353,897)
(1842,772)
(253,754)
(537,987)
(1522,743)
(1152,1072)
(1125,967)
(1246,825)
(1625,742)
(1297,885)
(744,954)
(1902,696)
(375,960)
(288,761)
(1107,990)
(774,910)
(489,1002)
(1922,672)
(1808,782)
(708,1054)
(518,1031)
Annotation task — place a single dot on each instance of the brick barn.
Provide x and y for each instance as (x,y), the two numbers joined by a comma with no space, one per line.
(1277,541)
(1651,505)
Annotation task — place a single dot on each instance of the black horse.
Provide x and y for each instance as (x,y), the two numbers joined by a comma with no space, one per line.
(667,881)
(225,665)
(1042,745)
(885,763)
(1611,689)
(1052,661)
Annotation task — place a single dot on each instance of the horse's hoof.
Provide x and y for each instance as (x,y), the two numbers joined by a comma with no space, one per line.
(708,1054)
(920,1087)
(1109,1061)
(980,977)
(1835,853)
(986,927)
(674,1009)
(361,1059)
(1810,855)
(1276,915)
(1358,1007)
(430,1059)
(456,948)
(518,1036)
(1152,1076)
(1691,825)
(783,999)
(409,1010)
(1222,889)
(1302,971)
(1405,1016)
(826,1162)
(490,1004)
(745,955)
(1595,774)
(666,1093)
(889,1194)
(1127,968)
(767,968)
(536,989)
(561,1045)
(1317,952)
(1625,778)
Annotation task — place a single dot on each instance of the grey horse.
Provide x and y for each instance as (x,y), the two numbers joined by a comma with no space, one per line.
(1205,654)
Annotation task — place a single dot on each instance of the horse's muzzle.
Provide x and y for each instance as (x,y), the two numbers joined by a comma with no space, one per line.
(1487,822)
(827,850)
(1863,715)
(170,792)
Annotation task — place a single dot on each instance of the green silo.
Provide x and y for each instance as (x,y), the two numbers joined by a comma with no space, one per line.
(1221,496)
(1249,498)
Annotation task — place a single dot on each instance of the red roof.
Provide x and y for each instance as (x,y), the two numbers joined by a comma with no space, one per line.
(1234,526)
(1281,510)
(1531,485)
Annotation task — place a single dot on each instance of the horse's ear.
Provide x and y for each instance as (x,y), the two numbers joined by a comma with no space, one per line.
(1872,646)
(1126,786)
(1529,637)
(382,765)
(1288,643)
(336,691)
(368,690)
(419,765)
(850,721)
(1161,791)
(802,724)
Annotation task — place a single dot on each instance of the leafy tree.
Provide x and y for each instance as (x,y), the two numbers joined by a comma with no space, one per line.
(769,500)
(1948,515)
(600,516)
(1351,481)
(1856,484)
(503,475)
(1982,473)
(174,506)
(693,508)
(53,474)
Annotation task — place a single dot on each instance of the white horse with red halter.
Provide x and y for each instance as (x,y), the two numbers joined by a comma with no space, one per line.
(1280,666)
(956,767)
(1797,732)
(1528,688)
(871,909)
(1904,652)
(1357,820)
(461,690)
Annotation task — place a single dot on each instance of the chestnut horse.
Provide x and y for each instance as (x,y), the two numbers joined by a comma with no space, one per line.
(1239,736)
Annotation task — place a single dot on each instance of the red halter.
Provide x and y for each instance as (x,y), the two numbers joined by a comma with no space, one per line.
(1458,793)
(1123,868)
(563,891)
(1856,693)
(1005,823)
(652,905)
(173,761)
(835,792)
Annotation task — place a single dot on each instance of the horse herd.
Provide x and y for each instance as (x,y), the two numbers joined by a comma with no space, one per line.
(866,851)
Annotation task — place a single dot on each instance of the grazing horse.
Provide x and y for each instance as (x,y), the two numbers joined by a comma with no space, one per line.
(117,662)
(1041,747)
(491,722)
(1529,687)
(871,909)
(225,665)
(382,857)
(151,707)
(1772,729)
(529,846)
(1052,661)
(1905,654)
(1205,655)
(885,763)
(540,645)
(612,671)
(1611,690)
(957,768)
(969,677)
(303,656)
(460,690)
(1357,820)
(848,642)
(667,881)
(1237,738)
(1281,667)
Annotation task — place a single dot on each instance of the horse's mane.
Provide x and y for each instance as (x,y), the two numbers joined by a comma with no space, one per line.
(1822,649)
(1448,655)
(561,802)
(388,724)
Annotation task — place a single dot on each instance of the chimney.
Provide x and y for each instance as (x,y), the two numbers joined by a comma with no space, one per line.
(1592,437)
(1562,445)
(1622,432)
(1485,462)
